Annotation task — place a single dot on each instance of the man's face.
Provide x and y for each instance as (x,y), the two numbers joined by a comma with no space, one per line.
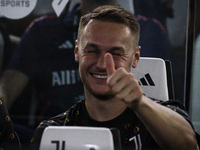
(97,39)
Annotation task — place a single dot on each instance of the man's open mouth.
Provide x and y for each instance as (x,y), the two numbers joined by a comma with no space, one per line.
(98,76)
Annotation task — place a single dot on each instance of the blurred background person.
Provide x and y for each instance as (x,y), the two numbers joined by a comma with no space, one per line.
(158,9)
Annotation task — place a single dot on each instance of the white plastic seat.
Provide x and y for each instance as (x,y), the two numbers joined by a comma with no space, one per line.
(152,77)
(76,138)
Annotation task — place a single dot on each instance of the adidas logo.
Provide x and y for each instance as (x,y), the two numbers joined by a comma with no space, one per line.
(146,80)
(67,44)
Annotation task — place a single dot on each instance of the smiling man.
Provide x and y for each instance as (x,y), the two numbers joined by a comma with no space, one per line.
(98,39)
(106,49)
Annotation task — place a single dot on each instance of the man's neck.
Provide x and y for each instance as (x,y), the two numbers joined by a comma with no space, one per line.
(104,110)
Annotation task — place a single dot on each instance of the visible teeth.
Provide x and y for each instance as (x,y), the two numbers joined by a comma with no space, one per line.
(100,76)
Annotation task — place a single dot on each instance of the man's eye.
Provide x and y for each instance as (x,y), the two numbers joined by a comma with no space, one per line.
(91,51)
(116,54)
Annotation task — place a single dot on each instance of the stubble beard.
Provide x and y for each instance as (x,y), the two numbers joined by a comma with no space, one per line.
(88,88)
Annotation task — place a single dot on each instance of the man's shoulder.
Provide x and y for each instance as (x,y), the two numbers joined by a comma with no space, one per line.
(63,119)
(174,105)
(58,120)
(170,103)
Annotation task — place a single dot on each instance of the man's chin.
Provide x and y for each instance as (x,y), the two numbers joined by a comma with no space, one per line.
(103,96)
(103,92)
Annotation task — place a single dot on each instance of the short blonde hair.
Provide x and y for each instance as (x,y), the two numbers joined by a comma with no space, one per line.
(111,13)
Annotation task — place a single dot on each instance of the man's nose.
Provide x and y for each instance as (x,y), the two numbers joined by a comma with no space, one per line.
(101,64)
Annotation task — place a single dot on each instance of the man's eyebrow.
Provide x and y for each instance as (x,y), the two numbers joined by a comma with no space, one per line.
(117,48)
(112,49)
(92,45)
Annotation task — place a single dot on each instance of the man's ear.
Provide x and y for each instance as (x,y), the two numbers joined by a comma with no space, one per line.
(136,57)
(76,51)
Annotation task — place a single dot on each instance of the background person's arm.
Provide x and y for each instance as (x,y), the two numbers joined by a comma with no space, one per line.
(12,83)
